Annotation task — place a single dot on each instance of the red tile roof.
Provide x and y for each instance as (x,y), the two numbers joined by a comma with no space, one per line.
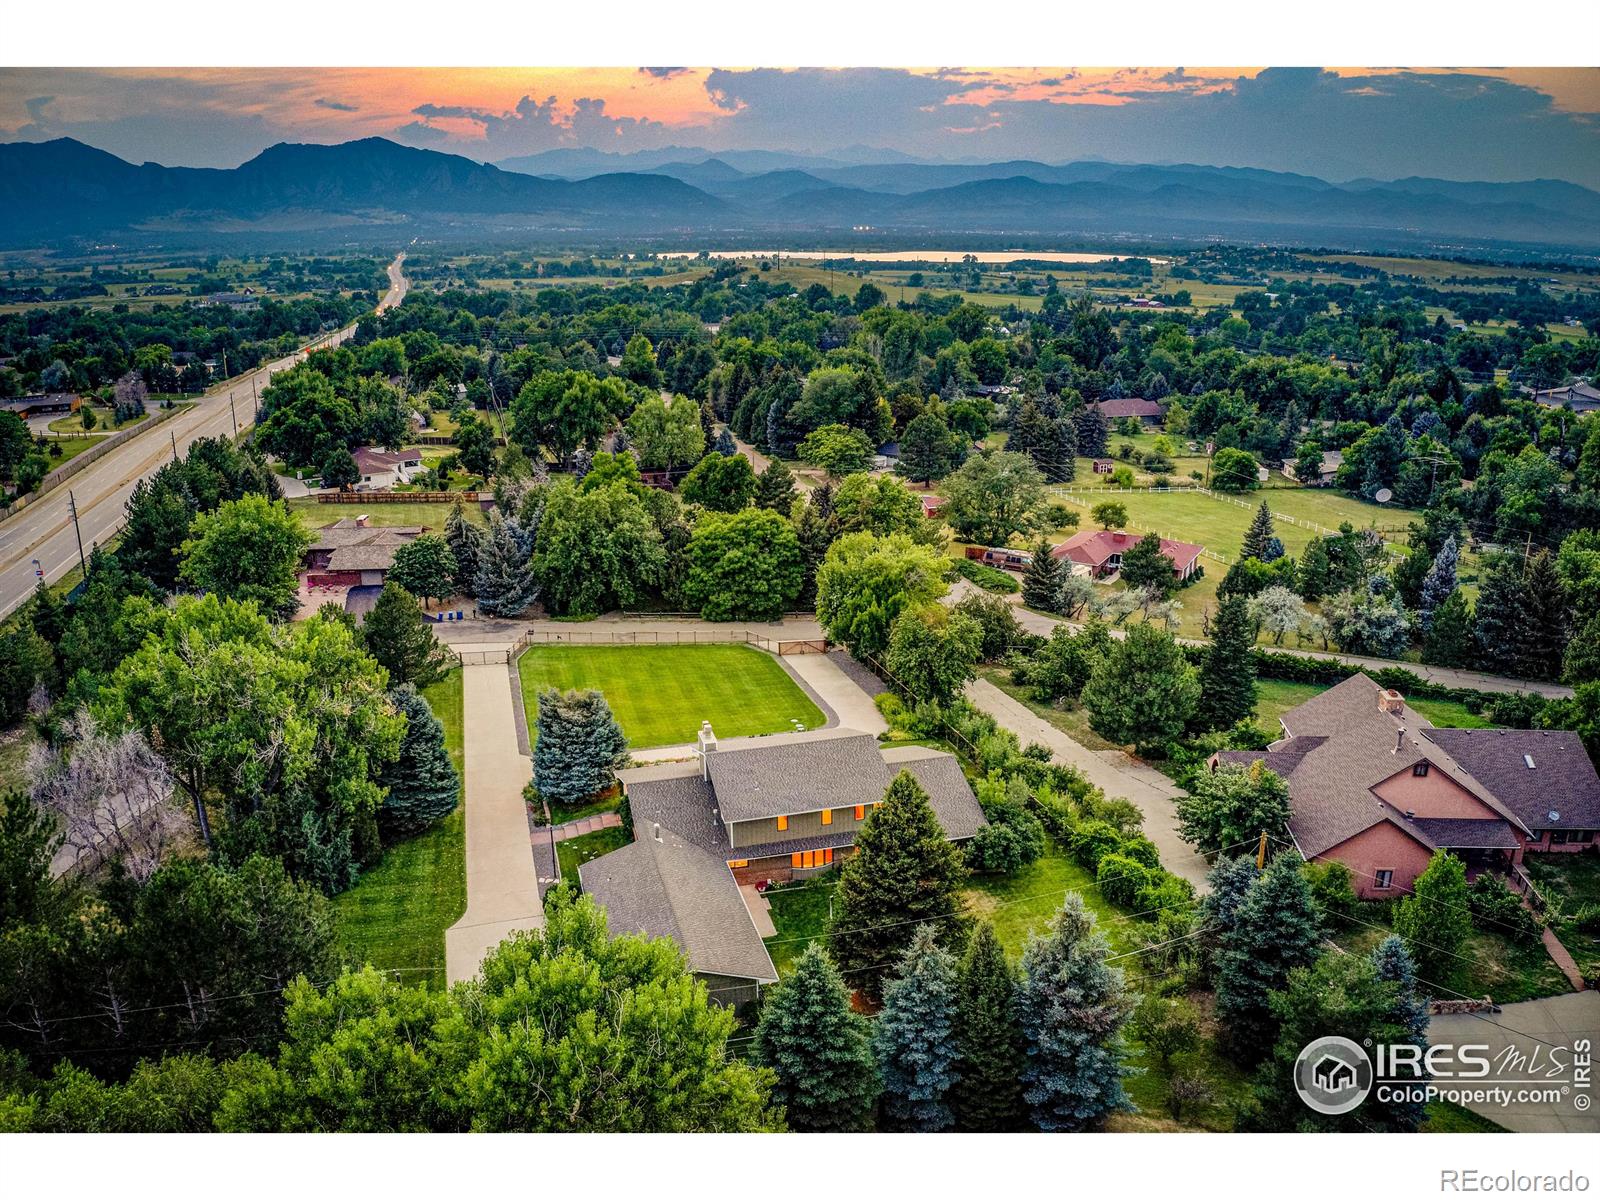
(1093,547)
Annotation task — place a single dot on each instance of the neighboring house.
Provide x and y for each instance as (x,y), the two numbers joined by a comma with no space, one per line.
(753,810)
(1579,397)
(353,553)
(887,455)
(386,468)
(932,506)
(244,299)
(1101,551)
(1331,462)
(47,404)
(1374,785)
(1104,466)
(990,389)
(1150,412)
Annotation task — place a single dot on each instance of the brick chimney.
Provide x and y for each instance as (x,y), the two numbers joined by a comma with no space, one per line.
(708,744)
(1391,702)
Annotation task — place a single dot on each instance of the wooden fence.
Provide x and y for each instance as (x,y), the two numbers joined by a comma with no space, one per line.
(392,497)
(613,635)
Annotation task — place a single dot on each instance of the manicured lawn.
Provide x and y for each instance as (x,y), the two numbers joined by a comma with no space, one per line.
(660,694)
(1277,696)
(1489,965)
(70,448)
(1568,882)
(574,852)
(800,915)
(396,915)
(430,516)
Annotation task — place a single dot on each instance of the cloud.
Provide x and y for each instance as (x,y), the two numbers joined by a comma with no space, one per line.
(532,126)
(335,105)
(663,72)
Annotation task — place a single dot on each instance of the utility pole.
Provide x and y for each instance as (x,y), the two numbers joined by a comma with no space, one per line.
(172,433)
(1261,851)
(72,506)
(234,413)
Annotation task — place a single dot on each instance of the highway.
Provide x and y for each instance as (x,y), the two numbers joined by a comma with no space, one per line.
(41,536)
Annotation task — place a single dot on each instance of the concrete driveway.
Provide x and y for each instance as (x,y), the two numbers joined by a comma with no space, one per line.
(1533,1030)
(502,880)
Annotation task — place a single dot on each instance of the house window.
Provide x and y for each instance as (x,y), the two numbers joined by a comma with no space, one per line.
(1420,768)
(809,860)
(783,823)
(827,816)
(1385,879)
(861,812)
(1558,837)
(796,858)
(738,862)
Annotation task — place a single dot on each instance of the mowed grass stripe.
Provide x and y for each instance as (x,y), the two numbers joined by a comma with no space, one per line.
(660,694)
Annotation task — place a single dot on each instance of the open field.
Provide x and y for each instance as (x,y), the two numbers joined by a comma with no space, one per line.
(430,516)
(660,694)
(1276,697)
(396,915)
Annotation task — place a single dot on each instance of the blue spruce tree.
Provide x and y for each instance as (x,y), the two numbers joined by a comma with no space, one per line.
(579,749)
(423,784)
(504,585)
(915,1037)
(1392,962)
(1073,1006)
(1438,583)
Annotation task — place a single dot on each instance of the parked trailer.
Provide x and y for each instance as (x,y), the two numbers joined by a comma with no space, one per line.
(1000,556)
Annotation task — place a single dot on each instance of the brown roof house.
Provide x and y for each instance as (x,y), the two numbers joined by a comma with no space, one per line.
(1580,397)
(351,552)
(1374,785)
(1151,412)
(776,808)
(386,468)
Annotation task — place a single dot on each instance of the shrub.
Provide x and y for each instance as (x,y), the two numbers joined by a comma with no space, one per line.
(1120,879)
(1498,909)
(1587,918)
(987,577)
(1140,848)
(1164,892)
(1092,841)
(1331,888)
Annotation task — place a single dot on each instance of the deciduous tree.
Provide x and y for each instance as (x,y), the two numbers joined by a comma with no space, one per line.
(865,582)
(742,566)
(1232,804)
(248,549)
(1143,692)
(425,567)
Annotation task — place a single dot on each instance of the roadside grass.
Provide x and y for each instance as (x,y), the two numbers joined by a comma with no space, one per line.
(660,694)
(1489,964)
(1446,1116)
(431,516)
(574,852)
(1570,881)
(1274,697)
(1073,722)
(396,915)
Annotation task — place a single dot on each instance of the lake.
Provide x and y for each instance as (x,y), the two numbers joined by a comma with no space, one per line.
(928,256)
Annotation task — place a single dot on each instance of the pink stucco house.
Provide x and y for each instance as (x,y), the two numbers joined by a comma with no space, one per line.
(1374,785)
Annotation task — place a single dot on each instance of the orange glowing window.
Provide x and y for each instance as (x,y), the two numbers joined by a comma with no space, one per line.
(827,855)
(827,816)
(783,823)
(861,812)
(738,862)
(794,859)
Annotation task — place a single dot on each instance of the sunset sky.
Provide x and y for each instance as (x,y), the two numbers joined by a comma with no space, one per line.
(1493,123)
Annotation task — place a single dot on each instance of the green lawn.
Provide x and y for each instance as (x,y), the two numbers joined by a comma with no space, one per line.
(1276,697)
(799,914)
(396,915)
(1073,722)
(1021,904)
(1569,881)
(70,448)
(574,852)
(430,516)
(660,694)
(1489,965)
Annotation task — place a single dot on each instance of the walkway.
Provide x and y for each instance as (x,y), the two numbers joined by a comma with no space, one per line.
(583,825)
(1113,772)
(1532,1029)
(1041,624)
(1562,957)
(502,881)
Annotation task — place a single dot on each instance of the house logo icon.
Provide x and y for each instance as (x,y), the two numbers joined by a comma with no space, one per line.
(1333,1075)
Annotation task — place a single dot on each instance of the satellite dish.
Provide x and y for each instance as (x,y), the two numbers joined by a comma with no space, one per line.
(1383,495)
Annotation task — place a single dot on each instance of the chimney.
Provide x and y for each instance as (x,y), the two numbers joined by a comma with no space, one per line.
(1391,702)
(361,521)
(655,830)
(708,745)
(1399,739)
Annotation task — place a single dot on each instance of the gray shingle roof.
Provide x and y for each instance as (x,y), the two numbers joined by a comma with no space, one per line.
(1464,833)
(672,888)
(1562,779)
(798,776)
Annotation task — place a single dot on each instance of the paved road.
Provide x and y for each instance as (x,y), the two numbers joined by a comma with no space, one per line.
(1532,1030)
(502,881)
(43,530)
(1041,624)
(1112,771)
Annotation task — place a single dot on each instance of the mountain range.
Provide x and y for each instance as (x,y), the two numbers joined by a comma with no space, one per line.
(65,189)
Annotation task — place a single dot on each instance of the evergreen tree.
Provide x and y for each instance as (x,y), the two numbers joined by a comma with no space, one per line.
(1041,582)
(1228,669)
(1438,583)
(902,874)
(1499,615)
(1093,431)
(339,469)
(987,1096)
(1229,882)
(1145,566)
(466,541)
(1028,427)
(775,488)
(1450,642)
(1408,1011)
(1544,620)
(504,585)
(1313,576)
(402,641)
(724,444)
(1055,452)
(819,1049)
(928,449)
(1073,1005)
(580,746)
(915,1037)
(1436,919)
(1276,929)
(1255,538)
(423,784)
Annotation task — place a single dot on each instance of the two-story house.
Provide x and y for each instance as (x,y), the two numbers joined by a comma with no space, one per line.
(746,812)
